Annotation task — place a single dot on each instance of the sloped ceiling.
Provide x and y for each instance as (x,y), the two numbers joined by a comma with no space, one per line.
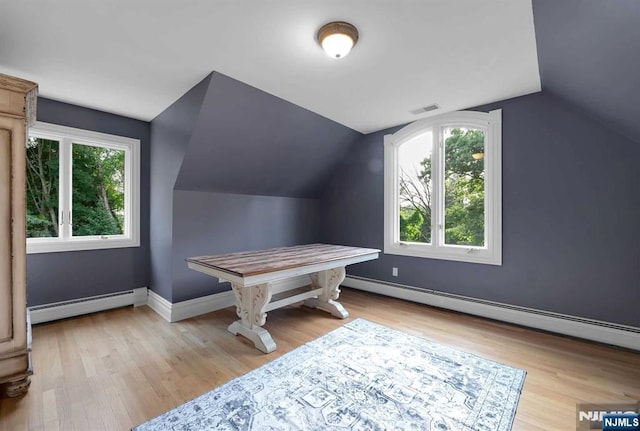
(247,141)
(589,55)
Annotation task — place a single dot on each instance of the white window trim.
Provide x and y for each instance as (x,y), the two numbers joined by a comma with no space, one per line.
(131,236)
(491,253)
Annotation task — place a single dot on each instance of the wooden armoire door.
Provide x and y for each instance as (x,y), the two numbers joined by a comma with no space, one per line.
(6,306)
(17,110)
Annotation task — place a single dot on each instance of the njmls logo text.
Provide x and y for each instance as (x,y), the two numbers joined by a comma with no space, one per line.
(598,416)
(623,416)
(630,422)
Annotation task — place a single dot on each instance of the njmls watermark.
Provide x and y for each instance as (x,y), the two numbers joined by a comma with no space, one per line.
(623,416)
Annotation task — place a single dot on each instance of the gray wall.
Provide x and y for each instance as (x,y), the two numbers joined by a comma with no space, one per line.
(207,223)
(588,55)
(170,135)
(53,277)
(251,142)
(570,215)
(234,168)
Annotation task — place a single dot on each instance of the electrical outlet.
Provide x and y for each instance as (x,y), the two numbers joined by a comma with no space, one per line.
(394,271)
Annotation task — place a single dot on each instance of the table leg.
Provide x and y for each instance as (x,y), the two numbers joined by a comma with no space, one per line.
(250,304)
(329,280)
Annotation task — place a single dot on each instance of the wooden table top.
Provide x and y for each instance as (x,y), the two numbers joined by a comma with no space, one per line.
(250,263)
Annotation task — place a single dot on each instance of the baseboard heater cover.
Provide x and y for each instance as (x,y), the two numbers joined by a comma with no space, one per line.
(76,307)
(171,312)
(594,330)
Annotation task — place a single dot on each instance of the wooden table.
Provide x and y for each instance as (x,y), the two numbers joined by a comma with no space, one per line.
(252,275)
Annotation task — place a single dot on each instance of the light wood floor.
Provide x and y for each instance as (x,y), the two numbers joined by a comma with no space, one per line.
(116,369)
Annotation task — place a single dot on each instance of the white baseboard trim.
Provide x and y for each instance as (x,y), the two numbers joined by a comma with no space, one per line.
(174,312)
(64,309)
(594,330)
(160,305)
(143,296)
(198,306)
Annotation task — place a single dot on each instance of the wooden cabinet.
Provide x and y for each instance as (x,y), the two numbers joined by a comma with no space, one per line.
(17,112)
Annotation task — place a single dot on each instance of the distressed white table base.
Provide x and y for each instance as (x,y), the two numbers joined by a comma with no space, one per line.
(253,302)
(329,281)
(259,336)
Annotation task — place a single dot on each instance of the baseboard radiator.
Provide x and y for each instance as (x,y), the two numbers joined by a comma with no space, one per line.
(595,330)
(171,312)
(76,307)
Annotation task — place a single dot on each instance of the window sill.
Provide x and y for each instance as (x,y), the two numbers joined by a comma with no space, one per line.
(458,254)
(54,246)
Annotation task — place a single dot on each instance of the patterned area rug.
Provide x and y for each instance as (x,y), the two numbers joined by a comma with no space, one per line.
(362,376)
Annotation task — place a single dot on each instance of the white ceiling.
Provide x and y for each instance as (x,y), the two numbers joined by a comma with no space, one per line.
(136,57)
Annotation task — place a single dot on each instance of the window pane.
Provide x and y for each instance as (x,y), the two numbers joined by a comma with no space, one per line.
(414,164)
(43,160)
(98,191)
(464,186)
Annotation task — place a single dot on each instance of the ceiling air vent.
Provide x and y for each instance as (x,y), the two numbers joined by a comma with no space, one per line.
(424,109)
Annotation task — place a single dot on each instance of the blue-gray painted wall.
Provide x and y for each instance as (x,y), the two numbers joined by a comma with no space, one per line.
(569,202)
(207,223)
(248,141)
(53,277)
(588,55)
(234,168)
(570,214)
(170,135)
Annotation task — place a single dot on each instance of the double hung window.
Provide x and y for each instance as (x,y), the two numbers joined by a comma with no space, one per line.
(82,190)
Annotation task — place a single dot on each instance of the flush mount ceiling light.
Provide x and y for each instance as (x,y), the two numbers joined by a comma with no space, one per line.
(337,38)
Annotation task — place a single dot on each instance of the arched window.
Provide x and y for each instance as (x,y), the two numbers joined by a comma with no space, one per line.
(443,188)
